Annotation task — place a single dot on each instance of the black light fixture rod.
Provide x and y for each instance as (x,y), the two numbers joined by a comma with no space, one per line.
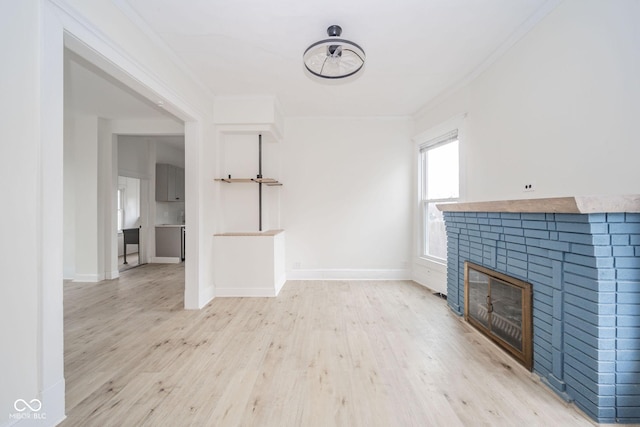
(259,182)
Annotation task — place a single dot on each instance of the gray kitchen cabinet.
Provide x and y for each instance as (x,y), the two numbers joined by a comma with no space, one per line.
(169,183)
(170,241)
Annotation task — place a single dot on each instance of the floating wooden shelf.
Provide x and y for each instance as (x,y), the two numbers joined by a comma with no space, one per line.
(267,181)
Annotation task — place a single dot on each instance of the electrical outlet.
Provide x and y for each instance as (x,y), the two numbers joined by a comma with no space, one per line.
(528,187)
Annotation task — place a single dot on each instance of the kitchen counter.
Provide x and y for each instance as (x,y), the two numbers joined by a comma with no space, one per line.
(169,225)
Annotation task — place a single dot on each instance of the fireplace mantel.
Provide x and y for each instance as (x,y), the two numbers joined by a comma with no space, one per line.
(571,205)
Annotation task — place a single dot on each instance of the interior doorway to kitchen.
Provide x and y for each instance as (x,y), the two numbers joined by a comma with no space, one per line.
(129,214)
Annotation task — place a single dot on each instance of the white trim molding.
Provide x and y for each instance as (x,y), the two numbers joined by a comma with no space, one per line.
(350,274)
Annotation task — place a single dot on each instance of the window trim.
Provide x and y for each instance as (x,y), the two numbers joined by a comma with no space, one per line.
(447,138)
(421,141)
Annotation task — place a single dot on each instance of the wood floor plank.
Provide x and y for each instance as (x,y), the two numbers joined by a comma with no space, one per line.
(343,353)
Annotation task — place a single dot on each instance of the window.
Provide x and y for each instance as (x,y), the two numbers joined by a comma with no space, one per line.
(439,183)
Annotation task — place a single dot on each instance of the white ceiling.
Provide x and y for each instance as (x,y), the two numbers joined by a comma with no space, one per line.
(416,49)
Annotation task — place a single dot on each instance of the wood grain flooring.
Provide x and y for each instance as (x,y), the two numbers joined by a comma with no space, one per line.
(320,354)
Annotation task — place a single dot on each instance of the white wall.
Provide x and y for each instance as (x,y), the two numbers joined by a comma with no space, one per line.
(347,197)
(559,109)
(31,306)
(81,137)
(19,153)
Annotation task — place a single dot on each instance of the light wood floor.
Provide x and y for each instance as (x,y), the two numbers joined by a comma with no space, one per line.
(320,354)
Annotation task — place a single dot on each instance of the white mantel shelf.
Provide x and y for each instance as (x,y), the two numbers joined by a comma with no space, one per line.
(578,205)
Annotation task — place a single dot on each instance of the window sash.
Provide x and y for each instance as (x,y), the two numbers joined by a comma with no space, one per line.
(433,234)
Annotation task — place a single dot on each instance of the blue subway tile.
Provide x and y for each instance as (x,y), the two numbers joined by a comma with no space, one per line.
(627,309)
(572,218)
(539,234)
(519,273)
(544,253)
(620,240)
(629,389)
(627,262)
(540,269)
(513,231)
(625,228)
(584,239)
(628,286)
(530,241)
(597,217)
(599,262)
(509,215)
(615,217)
(599,365)
(591,373)
(631,321)
(488,235)
(629,355)
(632,217)
(599,325)
(628,274)
(539,260)
(555,245)
(517,255)
(628,344)
(535,225)
(512,223)
(591,295)
(591,351)
(516,247)
(574,227)
(601,239)
(590,272)
(534,216)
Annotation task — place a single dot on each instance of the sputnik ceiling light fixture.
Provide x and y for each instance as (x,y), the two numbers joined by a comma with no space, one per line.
(334,58)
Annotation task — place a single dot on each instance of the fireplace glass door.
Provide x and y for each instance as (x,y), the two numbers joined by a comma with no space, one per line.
(500,307)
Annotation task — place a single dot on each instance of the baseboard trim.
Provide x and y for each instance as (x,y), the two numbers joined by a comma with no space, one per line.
(112,275)
(88,278)
(165,260)
(206,296)
(350,274)
(280,283)
(246,292)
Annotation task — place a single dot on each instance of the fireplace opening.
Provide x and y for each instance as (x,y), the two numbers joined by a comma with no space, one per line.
(500,307)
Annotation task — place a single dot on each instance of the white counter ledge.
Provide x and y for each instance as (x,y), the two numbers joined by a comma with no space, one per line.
(249,264)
